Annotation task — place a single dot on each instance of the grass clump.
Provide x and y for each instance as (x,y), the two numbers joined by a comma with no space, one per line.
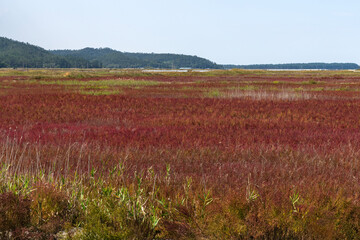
(317,89)
(346,88)
(213,93)
(4,86)
(310,82)
(187,88)
(114,213)
(94,206)
(245,88)
(100,92)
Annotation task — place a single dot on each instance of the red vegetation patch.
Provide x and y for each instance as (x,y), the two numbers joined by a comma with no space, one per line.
(270,163)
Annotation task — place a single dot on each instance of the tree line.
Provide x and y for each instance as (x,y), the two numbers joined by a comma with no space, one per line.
(331,66)
(17,54)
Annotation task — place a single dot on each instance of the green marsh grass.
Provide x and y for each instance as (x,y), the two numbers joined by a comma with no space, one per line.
(317,89)
(112,82)
(100,92)
(213,93)
(55,201)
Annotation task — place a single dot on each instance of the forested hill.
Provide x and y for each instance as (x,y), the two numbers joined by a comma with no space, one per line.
(331,66)
(175,60)
(17,54)
(110,58)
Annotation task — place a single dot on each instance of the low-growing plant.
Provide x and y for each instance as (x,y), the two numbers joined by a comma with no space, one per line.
(299,89)
(310,82)
(346,88)
(99,92)
(213,93)
(317,89)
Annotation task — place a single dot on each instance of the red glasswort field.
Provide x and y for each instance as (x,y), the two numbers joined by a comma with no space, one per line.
(220,154)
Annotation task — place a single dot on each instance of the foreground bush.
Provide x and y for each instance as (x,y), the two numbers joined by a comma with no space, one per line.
(146,207)
(60,193)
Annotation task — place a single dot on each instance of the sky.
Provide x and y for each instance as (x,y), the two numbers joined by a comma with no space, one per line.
(223,31)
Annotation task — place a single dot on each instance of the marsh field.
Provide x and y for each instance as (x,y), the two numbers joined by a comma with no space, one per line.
(126,154)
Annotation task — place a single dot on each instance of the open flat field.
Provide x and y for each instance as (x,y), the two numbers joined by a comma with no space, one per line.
(105,154)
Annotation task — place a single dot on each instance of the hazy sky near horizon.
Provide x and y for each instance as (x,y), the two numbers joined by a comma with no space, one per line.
(224,31)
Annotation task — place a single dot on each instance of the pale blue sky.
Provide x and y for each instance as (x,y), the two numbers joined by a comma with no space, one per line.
(224,31)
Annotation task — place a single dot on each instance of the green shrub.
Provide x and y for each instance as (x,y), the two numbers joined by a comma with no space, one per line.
(120,215)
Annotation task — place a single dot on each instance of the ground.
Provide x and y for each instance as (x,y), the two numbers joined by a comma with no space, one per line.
(213,154)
